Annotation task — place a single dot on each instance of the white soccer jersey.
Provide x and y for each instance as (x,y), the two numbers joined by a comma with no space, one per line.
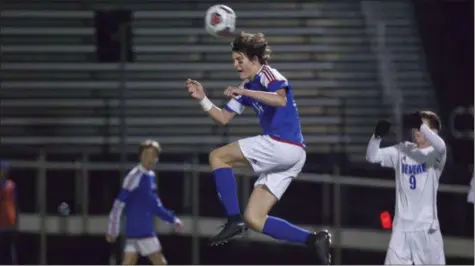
(417,180)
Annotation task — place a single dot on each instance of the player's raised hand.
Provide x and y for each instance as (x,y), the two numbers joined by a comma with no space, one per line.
(179,226)
(382,128)
(233,92)
(195,89)
(414,120)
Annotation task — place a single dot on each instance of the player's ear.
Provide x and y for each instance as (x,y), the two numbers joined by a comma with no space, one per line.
(255,59)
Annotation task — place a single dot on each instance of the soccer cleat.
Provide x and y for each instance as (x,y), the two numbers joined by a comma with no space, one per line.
(322,244)
(232,229)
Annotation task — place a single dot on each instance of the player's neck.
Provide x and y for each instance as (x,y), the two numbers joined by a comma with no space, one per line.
(256,69)
(144,166)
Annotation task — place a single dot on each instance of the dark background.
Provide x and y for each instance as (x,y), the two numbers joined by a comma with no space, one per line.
(446,31)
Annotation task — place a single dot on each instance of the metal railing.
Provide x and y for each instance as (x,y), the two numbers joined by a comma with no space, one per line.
(342,237)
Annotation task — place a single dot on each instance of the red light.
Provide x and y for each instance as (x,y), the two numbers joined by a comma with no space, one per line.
(215,19)
(385,219)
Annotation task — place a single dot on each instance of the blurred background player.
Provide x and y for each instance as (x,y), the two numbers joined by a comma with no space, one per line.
(8,217)
(138,196)
(470,195)
(277,156)
(416,236)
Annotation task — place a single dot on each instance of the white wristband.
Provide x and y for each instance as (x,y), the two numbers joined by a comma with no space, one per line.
(206,104)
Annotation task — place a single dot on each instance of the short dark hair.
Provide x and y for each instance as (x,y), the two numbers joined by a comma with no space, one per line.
(433,119)
(149,144)
(252,45)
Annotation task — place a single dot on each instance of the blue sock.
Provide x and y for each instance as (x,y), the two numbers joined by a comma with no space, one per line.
(227,191)
(281,229)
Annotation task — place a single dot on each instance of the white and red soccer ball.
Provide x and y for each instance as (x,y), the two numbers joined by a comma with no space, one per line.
(220,21)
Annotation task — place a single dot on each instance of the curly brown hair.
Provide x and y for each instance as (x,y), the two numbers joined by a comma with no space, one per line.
(433,119)
(252,45)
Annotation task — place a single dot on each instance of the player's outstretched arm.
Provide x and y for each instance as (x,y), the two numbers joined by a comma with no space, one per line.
(435,140)
(374,154)
(162,212)
(131,182)
(415,121)
(220,116)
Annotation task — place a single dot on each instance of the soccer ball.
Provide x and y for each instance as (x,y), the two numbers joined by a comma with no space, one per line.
(220,20)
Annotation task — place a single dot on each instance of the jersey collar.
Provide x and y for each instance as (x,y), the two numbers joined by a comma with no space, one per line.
(141,168)
(258,72)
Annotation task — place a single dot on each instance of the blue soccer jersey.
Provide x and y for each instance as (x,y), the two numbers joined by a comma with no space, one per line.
(282,123)
(138,196)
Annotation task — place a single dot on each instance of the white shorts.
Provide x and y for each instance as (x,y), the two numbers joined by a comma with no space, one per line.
(420,247)
(276,162)
(143,246)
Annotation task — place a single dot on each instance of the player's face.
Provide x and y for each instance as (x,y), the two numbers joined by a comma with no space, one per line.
(149,157)
(245,67)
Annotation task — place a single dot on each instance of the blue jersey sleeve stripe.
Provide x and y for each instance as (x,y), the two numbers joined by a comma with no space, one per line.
(269,77)
(271,80)
(114,218)
(132,180)
(235,105)
(277,85)
(226,107)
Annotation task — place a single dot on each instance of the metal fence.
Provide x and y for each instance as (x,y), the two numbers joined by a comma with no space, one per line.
(196,226)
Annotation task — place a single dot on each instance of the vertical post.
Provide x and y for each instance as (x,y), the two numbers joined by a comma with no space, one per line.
(123,111)
(326,203)
(112,40)
(85,191)
(195,212)
(78,188)
(123,97)
(41,203)
(187,187)
(337,214)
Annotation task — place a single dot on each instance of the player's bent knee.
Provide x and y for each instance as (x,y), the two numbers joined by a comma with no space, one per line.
(255,221)
(215,159)
(227,156)
(258,207)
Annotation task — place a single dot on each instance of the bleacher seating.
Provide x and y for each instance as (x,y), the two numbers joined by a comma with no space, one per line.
(54,91)
(404,49)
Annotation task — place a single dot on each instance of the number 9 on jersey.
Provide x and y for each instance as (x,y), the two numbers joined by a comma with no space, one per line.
(412,182)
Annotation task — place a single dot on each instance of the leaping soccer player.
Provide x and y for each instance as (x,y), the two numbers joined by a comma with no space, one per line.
(277,155)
